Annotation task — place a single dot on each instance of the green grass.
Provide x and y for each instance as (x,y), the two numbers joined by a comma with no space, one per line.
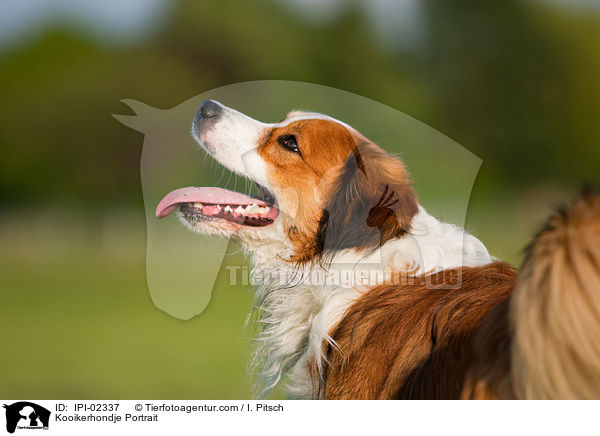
(87,328)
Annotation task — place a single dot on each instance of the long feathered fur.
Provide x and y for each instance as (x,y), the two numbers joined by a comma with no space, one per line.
(544,342)
(555,311)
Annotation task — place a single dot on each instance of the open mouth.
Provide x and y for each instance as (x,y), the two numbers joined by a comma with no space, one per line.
(210,203)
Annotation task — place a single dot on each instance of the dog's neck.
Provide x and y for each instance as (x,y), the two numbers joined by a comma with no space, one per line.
(299,305)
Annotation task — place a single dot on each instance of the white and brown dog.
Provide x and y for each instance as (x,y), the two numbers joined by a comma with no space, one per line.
(406,324)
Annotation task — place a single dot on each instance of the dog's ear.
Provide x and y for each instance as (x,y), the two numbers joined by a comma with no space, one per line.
(370,201)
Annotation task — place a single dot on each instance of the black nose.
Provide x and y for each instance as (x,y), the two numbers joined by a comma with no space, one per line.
(208,109)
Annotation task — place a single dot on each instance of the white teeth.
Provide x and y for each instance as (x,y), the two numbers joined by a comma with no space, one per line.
(250,209)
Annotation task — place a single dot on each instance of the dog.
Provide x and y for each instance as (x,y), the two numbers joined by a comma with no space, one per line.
(424,302)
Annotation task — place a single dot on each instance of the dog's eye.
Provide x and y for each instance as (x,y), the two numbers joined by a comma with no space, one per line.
(289,142)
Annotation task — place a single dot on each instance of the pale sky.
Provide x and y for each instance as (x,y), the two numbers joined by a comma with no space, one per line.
(126,20)
(110,20)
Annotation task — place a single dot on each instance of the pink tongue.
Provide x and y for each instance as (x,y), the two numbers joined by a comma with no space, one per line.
(202,195)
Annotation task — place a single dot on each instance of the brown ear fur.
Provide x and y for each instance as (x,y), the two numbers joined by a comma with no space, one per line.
(370,202)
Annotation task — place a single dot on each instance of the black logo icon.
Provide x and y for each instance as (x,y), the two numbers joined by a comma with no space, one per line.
(24,414)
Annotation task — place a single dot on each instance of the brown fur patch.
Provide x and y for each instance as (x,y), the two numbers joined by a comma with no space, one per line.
(489,376)
(370,201)
(413,341)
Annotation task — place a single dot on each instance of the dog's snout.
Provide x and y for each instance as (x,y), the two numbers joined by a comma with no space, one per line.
(208,109)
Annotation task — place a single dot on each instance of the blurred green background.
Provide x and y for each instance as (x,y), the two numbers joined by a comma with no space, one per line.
(516,82)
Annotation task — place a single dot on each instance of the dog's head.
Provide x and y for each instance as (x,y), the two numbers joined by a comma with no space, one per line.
(324,187)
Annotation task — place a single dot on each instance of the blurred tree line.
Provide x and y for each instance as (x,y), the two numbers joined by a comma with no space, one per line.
(516,82)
